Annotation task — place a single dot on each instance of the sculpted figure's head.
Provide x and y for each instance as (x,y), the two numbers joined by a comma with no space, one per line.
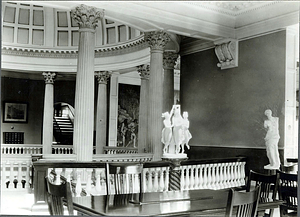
(268,113)
(185,115)
(166,115)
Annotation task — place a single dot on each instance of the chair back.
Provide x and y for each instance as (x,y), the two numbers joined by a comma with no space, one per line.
(268,183)
(243,204)
(288,187)
(55,195)
(124,178)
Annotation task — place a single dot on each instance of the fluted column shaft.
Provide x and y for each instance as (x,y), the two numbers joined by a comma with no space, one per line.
(157,41)
(143,109)
(87,18)
(168,92)
(48,112)
(101,118)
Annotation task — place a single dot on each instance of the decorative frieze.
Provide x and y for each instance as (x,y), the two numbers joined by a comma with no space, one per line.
(49,77)
(87,16)
(102,76)
(144,71)
(157,40)
(227,53)
(169,60)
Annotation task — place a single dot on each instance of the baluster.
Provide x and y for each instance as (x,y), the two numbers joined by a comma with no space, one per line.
(161,179)
(19,185)
(205,176)
(192,178)
(155,185)
(230,175)
(144,173)
(243,173)
(137,184)
(167,179)
(58,173)
(78,188)
(235,164)
(150,186)
(98,181)
(187,177)
(222,177)
(11,176)
(213,176)
(239,173)
(89,181)
(226,175)
(200,183)
(209,176)
(196,180)
(182,181)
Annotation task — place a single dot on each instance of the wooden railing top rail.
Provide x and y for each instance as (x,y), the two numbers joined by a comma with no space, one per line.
(214,160)
(156,164)
(68,164)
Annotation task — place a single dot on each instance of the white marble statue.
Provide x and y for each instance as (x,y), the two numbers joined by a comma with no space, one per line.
(272,139)
(175,134)
(186,132)
(166,136)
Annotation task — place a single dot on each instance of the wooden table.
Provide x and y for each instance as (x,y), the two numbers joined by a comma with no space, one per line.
(159,203)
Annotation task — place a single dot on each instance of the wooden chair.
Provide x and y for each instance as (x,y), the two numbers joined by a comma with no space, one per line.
(269,187)
(55,194)
(244,204)
(122,178)
(288,187)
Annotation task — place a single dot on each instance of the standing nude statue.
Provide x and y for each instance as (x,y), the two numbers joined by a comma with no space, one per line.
(186,132)
(177,121)
(272,139)
(167,131)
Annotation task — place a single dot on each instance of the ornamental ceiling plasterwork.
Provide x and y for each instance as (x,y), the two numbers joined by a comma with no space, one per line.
(231,8)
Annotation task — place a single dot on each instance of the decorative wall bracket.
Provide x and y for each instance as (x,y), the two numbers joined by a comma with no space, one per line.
(227,53)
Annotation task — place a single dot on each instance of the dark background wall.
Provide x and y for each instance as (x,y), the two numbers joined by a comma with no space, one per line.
(226,107)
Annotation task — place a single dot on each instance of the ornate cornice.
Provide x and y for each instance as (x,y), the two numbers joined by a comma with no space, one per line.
(87,16)
(169,60)
(144,71)
(107,50)
(102,76)
(49,77)
(157,40)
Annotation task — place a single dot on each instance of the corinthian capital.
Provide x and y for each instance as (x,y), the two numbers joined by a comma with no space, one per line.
(49,77)
(144,71)
(157,40)
(102,76)
(169,60)
(86,16)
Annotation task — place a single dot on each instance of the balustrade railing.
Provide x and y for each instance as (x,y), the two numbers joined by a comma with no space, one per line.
(119,150)
(21,149)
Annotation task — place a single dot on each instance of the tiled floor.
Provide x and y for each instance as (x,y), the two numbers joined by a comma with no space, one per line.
(20,202)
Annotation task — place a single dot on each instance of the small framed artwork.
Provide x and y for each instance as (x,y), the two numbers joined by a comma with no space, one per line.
(15,112)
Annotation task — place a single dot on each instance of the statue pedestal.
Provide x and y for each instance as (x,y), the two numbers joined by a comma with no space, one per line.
(175,172)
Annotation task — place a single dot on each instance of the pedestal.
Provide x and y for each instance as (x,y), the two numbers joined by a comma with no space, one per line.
(175,172)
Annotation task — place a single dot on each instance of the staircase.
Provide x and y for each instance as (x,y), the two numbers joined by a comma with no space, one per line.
(63,130)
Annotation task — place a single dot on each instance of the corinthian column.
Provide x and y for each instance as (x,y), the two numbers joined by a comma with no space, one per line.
(168,92)
(87,18)
(157,41)
(48,112)
(143,110)
(101,118)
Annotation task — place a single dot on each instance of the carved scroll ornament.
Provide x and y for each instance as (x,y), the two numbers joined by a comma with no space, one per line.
(227,53)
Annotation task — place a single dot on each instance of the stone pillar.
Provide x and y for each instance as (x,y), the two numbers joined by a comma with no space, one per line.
(48,112)
(101,118)
(157,41)
(168,92)
(143,110)
(87,18)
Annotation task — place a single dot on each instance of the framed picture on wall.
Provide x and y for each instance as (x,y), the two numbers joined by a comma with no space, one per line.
(15,112)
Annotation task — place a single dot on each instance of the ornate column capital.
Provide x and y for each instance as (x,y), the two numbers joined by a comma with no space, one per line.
(87,16)
(49,77)
(144,71)
(169,60)
(157,40)
(102,76)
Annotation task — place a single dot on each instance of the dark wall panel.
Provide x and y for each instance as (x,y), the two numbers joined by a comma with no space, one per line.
(226,107)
